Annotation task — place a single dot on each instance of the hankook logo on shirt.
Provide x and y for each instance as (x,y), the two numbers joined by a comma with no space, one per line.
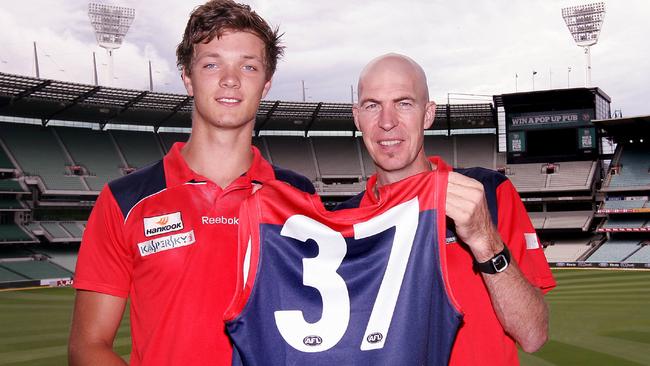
(166,243)
(209,220)
(162,224)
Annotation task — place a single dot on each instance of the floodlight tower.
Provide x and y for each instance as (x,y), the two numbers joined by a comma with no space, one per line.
(584,23)
(111,24)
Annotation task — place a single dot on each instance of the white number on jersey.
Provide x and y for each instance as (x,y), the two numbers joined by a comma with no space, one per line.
(320,273)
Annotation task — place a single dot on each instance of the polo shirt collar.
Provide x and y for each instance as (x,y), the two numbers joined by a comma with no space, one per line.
(178,172)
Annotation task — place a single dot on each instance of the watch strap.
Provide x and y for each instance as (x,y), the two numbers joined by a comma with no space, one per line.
(496,264)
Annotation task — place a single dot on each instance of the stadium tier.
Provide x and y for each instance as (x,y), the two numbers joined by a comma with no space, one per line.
(295,153)
(614,250)
(614,206)
(580,220)
(633,168)
(566,250)
(12,233)
(564,176)
(11,203)
(39,153)
(337,156)
(640,256)
(94,151)
(36,269)
(56,231)
(139,148)
(169,138)
(5,162)
(10,185)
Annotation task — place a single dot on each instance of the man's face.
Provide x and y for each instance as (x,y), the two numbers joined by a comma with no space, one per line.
(392,113)
(227,80)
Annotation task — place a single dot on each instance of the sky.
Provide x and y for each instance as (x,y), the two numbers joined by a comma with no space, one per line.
(468,48)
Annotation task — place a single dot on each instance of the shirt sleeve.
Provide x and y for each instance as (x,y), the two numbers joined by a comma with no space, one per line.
(105,261)
(518,233)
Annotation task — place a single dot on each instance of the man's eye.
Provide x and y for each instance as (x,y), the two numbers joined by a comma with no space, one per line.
(210,66)
(371,106)
(250,68)
(404,105)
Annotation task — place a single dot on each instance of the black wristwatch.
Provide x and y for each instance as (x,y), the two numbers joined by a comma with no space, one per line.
(496,264)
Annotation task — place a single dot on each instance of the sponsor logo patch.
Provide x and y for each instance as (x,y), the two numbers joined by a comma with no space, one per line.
(168,242)
(210,220)
(162,224)
(531,241)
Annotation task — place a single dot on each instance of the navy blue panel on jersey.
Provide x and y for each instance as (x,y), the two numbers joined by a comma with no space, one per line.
(424,322)
(130,189)
(296,180)
(491,180)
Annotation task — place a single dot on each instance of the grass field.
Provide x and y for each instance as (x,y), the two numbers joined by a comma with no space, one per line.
(597,318)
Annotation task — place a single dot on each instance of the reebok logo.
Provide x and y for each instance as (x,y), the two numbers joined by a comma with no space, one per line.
(163,224)
(207,220)
(166,243)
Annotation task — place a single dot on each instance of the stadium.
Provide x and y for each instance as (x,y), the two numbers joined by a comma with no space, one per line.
(582,171)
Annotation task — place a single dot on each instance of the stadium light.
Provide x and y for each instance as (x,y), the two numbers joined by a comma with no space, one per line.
(111,23)
(584,23)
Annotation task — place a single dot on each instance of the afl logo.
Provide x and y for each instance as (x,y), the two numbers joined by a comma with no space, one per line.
(374,337)
(312,340)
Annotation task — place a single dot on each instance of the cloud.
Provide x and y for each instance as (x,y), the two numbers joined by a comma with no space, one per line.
(477,51)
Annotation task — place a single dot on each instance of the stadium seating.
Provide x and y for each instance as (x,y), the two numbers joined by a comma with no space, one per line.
(36,269)
(442,146)
(169,138)
(9,276)
(561,219)
(634,168)
(10,203)
(337,156)
(10,185)
(293,152)
(640,256)
(572,175)
(623,204)
(618,222)
(527,177)
(476,150)
(139,148)
(63,255)
(261,146)
(614,250)
(569,176)
(47,161)
(12,233)
(94,150)
(56,231)
(566,250)
(5,163)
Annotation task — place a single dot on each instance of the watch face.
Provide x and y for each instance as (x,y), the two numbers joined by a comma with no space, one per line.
(500,263)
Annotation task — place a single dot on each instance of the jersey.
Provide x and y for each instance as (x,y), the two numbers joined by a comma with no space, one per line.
(481,338)
(355,287)
(166,238)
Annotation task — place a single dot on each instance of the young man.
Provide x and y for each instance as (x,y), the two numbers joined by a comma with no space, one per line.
(496,267)
(166,236)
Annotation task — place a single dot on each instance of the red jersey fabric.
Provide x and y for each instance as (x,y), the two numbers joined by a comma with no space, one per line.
(166,238)
(481,339)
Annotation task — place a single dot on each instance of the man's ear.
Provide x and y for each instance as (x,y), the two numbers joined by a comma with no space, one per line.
(355,114)
(267,87)
(187,81)
(429,114)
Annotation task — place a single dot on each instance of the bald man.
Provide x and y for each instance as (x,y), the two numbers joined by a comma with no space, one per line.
(496,268)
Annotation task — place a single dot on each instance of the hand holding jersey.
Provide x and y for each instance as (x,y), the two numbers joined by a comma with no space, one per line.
(467,207)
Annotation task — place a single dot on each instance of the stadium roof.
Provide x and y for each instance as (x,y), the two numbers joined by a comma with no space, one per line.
(44,99)
(629,128)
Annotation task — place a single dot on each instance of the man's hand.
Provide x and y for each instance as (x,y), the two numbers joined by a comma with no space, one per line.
(467,206)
